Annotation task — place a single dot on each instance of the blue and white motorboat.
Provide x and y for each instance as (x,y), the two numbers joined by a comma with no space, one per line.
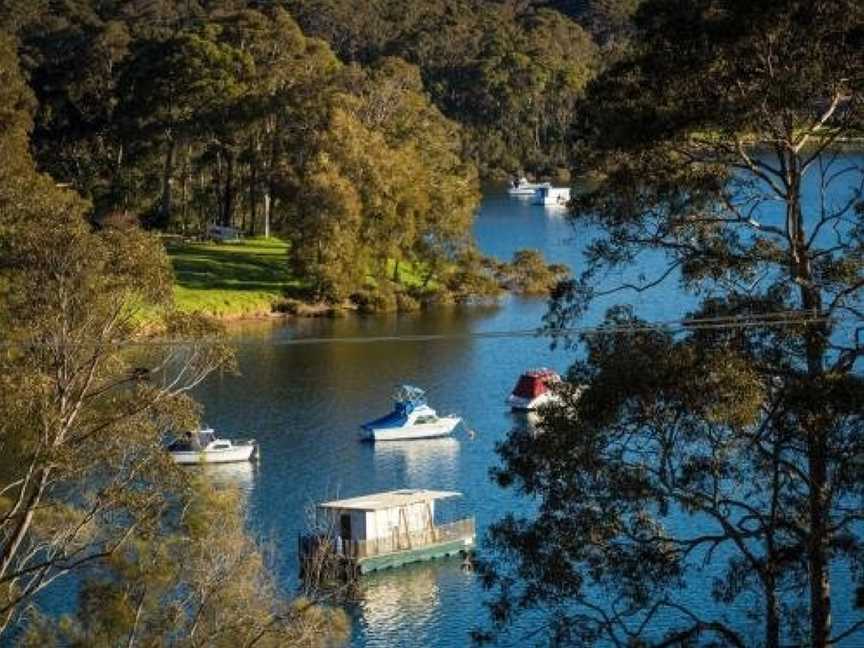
(411,418)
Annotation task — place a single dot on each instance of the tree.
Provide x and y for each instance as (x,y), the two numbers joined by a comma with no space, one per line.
(82,464)
(399,190)
(715,147)
(96,367)
(508,72)
(184,87)
(205,584)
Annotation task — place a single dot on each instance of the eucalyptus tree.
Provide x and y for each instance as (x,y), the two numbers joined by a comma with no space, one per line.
(717,147)
(180,89)
(207,584)
(81,461)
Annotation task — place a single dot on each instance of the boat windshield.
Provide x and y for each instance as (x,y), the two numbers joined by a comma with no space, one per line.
(205,437)
(409,395)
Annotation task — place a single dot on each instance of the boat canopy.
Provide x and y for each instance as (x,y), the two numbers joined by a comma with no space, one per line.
(409,394)
(534,383)
(407,398)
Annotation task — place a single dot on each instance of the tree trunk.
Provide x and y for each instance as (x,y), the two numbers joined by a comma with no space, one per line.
(13,544)
(815,342)
(228,196)
(267,213)
(167,173)
(772,614)
(253,197)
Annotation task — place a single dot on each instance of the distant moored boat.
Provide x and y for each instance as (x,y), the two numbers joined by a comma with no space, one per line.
(551,196)
(521,187)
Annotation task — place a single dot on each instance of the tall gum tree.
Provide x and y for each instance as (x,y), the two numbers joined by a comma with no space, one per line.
(717,146)
(81,460)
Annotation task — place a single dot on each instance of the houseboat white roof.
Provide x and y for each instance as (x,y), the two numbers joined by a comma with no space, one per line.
(389,499)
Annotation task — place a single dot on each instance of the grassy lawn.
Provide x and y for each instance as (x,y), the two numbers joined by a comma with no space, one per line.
(230,279)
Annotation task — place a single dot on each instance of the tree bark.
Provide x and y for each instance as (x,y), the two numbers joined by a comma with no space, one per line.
(228,196)
(167,173)
(815,341)
(267,213)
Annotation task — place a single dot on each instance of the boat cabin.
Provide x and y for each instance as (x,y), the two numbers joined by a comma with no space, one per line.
(389,529)
(535,382)
(195,441)
(533,389)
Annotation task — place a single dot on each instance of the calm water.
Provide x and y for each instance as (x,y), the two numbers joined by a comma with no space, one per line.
(303,404)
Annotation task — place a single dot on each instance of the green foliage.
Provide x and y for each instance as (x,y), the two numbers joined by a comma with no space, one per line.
(87,399)
(529,273)
(205,583)
(734,443)
(510,77)
(231,115)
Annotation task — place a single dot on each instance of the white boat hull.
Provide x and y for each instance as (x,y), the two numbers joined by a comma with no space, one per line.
(442,427)
(233,454)
(554,197)
(527,190)
(531,404)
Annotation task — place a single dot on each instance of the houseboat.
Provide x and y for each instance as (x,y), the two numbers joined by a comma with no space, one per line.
(534,388)
(521,187)
(383,530)
(551,196)
(204,447)
(411,418)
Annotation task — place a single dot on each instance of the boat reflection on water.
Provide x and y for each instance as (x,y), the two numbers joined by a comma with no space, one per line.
(239,475)
(424,460)
(390,597)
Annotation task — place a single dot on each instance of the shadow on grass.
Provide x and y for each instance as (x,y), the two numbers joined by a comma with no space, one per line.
(218,268)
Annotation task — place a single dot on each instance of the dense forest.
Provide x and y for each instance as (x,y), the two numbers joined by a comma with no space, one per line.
(357,132)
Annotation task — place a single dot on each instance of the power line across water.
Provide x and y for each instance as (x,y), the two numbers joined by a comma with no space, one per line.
(760,320)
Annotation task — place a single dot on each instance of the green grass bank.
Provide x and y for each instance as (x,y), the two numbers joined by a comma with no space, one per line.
(231,280)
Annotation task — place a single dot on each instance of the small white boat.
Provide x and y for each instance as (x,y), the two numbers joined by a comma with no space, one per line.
(534,389)
(411,418)
(203,447)
(551,196)
(521,187)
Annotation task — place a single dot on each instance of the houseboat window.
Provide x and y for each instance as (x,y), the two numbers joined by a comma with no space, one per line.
(345,526)
(221,446)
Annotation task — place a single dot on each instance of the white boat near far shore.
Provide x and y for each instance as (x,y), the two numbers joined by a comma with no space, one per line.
(521,187)
(551,196)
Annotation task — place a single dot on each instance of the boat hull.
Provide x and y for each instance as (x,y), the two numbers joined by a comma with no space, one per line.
(527,190)
(519,404)
(551,197)
(234,454)
(442,427)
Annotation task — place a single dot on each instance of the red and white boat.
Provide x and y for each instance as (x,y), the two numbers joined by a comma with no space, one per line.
(535,388)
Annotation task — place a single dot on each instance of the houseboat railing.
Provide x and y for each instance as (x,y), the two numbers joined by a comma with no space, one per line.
(397,541)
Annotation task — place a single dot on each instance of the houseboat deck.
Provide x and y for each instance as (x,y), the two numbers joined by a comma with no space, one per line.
(440,541)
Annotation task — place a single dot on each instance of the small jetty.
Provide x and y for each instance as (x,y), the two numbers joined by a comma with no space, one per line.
(382,530)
